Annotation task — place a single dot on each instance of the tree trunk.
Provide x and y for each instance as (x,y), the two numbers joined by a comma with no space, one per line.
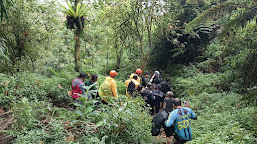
(77,45)
(77,50)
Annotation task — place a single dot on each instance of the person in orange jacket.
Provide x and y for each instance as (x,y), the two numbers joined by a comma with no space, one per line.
(137,73)
(108,88)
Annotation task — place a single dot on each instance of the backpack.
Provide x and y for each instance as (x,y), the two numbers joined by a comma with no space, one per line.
(158,121)
(76,89)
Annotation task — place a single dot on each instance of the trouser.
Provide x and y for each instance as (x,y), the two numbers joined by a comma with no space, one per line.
(177,140)
(156,109)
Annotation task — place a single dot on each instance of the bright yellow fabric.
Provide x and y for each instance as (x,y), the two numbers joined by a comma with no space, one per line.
(108,89)
(131,77)
(127,83)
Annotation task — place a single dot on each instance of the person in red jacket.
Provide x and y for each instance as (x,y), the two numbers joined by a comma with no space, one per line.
(77,87)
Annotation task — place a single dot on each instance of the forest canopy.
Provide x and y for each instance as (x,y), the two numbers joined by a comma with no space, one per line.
(207,48)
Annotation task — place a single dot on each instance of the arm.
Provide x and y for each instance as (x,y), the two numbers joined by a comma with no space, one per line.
(114,88)
(151,80)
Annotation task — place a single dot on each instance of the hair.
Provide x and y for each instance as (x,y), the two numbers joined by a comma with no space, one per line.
(140,87)
(177,102)
(82,75)
(148,85)
(94,77)
(146,73)
(158,87)
(169,94)
(135,77)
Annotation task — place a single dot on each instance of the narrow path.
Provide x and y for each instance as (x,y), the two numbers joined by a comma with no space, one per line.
(5,122)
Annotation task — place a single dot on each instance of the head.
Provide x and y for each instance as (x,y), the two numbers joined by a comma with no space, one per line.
(169,94)
(138,72)
(176,102)
(113,73)
(94,78)
(167,80)
(149,85)
(146,74)
(158,87)
(135,77)
(82,76)
(157,73)
(140,87)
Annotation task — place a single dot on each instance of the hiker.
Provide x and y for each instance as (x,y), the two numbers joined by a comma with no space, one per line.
(156,78)
(168,102)
(147,94)
(165,86)
(158,99)
(180,118)
(159,118)
(145,79)
(77,87)
(108,88)
(137,73)
(132,86)
(90,82)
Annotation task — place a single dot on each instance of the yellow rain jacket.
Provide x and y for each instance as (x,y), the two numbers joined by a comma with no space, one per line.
(131,77)
(108,89)
(127,83)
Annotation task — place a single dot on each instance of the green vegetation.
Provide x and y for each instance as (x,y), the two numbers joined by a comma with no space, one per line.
(207,48)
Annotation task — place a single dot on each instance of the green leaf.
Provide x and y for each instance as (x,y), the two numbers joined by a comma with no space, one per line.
(79,112)
(79,105)
(100,123)
(177,53)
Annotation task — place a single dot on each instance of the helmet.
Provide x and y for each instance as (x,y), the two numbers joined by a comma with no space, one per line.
(139,71)
(156,72)
(113,73)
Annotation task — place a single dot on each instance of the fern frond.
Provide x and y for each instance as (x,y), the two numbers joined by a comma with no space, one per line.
(238,21)
(214,13)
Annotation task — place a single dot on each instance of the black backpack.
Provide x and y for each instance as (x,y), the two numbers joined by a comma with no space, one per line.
(158,122)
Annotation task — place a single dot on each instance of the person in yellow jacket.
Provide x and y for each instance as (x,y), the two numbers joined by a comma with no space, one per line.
(109,87)
(132,85)
(137,73)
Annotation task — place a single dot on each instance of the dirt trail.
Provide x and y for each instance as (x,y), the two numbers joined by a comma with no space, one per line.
(168,140)
(5,121)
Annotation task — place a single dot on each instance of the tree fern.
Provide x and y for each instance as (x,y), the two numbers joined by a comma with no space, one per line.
(228,15)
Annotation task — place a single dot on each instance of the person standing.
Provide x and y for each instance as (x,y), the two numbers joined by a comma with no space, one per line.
(158,99)
(77,87)
(108,88)
(168,102)
(132,86)
(156,78)
(180,118)
(165,86)
(145,79)
(137,73)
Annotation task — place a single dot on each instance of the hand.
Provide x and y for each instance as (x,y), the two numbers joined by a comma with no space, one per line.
(186,103)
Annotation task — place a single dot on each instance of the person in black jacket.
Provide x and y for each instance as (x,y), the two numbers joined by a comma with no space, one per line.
(158,99)
(165,86)
(145,79)
(156,78)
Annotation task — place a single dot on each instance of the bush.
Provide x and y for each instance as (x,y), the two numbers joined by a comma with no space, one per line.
(196,84)
(220,119)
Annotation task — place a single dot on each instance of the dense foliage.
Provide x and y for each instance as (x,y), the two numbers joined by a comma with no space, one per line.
(207,48)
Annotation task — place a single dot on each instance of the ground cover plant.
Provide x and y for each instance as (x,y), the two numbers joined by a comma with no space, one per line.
(207,48)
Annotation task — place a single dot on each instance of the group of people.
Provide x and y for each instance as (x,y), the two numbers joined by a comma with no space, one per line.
(156,93)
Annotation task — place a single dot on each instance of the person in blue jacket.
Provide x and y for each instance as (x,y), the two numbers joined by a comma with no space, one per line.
(181,118)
